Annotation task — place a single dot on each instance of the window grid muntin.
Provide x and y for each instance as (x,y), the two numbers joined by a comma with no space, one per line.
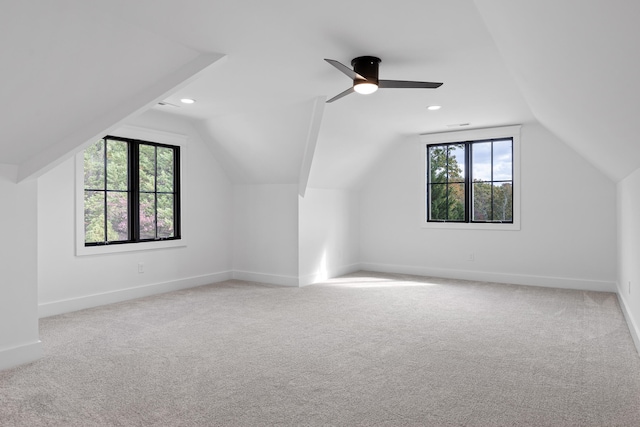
(492,181)
(447,181)
(105,190)
(156,192)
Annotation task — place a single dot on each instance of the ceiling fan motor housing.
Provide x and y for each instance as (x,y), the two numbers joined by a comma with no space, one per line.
(367,67)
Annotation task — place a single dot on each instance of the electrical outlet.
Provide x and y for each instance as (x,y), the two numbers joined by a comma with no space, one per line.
(471,257)
(140,267)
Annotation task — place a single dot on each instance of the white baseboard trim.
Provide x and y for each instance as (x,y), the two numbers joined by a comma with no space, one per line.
(19,355)
(312,278)
(80,303)
(631,323)
(272,279)
(516,279)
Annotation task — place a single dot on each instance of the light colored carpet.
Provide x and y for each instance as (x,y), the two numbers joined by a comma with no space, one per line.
(362,350)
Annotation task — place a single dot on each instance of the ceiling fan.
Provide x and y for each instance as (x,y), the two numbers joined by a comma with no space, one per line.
(365,77)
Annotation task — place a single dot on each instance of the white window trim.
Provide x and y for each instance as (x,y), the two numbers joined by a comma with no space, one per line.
(143,134)
(472,135)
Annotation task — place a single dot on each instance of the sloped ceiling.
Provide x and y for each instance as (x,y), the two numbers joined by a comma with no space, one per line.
(502,62)
(69,72)
(576,63)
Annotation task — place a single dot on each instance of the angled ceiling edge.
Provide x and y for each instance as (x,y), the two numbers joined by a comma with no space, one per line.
(310,145)
(137,103)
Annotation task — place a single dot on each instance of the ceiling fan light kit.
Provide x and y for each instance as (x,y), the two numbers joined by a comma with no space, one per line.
(364,87)
(367,67)
(365,77)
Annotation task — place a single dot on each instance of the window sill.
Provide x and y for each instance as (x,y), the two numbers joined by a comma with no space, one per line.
(470,226)
(82,250)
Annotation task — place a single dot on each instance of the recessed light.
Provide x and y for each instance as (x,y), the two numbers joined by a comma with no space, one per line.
(434,107)
(187,100)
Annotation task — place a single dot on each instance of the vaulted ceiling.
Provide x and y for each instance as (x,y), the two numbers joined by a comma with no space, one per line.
(73,69)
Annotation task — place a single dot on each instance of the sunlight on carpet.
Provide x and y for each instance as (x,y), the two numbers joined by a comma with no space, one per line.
(373,282)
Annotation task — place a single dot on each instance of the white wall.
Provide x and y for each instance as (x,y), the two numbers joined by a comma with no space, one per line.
(568,222)
(19,341)
(329,236)
(629,250)
(69,282)
(265,233)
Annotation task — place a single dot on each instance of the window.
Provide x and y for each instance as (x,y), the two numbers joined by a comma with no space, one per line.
(131,192)
(472,179)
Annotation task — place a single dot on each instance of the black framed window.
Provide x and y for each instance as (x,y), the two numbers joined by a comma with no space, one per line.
(131,191)
(470,181)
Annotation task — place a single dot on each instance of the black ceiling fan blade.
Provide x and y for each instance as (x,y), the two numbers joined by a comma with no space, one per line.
(388,84)
(346,70)
(341,94)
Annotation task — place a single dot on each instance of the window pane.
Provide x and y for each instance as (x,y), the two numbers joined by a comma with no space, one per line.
(503,202)
(482,201)
(502,160)
(456,202)
(94,166)
(447,188)
(165,169)
(165,215)
(438,202)
(147,167)
(437,164)
(147,216)
(117,216)
(447,202)
(481,161)
(117,165)
(94,216)
(455,166)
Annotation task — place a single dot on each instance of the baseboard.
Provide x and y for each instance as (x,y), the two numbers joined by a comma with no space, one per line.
(89,301)
(631,323)
(19,355)
(312,278)
(272,279)
(95,300)
(516,279)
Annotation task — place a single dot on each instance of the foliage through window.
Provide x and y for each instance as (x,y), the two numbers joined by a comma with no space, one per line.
(131,191)
(470,181)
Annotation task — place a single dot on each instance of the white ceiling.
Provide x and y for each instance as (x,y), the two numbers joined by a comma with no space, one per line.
(576,63)
(78,63)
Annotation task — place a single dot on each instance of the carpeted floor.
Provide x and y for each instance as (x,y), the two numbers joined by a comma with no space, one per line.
(362,350)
